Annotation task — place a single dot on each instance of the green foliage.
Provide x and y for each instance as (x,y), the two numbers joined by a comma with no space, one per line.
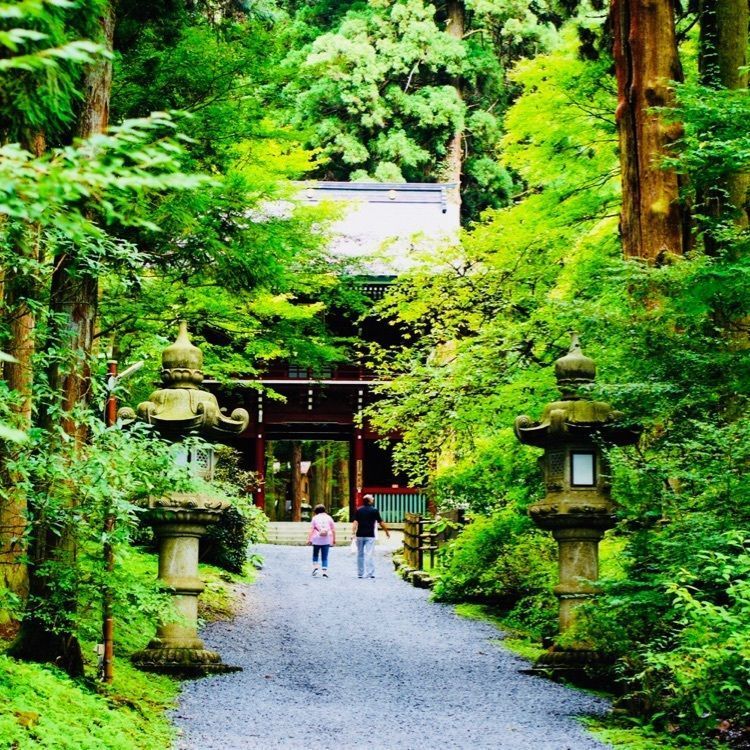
(484,323)
(239,260)
(699,682)
(380,89)
(504,560)
(484,320)
(42,708)
(226,543)
(115,474)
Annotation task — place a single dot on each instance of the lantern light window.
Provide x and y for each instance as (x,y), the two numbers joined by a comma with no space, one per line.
(582,468)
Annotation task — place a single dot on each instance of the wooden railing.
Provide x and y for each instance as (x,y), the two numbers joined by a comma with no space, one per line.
(425,538)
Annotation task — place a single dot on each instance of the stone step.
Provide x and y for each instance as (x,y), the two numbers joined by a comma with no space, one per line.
(295,534)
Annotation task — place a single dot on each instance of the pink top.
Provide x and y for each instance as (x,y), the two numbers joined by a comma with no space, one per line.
(321,522)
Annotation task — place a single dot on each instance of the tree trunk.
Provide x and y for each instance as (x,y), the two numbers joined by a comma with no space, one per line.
(296,480)
(19,290)
(342,481)
(75,293)
(14,575)
(455,27)
(653,224)
(73,301)
(722,62)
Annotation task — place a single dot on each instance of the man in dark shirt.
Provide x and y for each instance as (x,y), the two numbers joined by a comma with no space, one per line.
(363,528)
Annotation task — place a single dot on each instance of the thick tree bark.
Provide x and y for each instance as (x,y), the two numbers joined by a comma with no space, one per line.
(75,294)
(455,27)
(653,223)
(14,575)
(722,61)
(341,480)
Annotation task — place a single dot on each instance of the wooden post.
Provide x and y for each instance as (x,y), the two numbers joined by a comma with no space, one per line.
(108,622)
(420,551)
(260,466)
(359,466)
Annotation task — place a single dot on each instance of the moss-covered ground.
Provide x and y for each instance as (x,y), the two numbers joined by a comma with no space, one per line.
(40,707)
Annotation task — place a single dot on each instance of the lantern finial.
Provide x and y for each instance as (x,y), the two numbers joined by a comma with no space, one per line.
(574,369)
(182,362)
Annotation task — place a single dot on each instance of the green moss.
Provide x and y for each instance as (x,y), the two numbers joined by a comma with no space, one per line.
(217,602)
(42,708)
(628,735)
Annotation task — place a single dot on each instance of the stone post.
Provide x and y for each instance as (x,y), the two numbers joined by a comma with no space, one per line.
(179,520)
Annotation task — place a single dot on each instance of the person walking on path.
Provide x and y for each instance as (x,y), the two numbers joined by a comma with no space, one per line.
(363,528)
(322,536)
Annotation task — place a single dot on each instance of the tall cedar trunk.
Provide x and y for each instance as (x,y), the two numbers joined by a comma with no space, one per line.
(456,13)
(722,59)
(73,300)
(653,223)
(14,574)
(19,290)
(296,481)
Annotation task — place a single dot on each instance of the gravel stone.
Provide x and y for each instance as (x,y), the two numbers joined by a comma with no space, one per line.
(352,663)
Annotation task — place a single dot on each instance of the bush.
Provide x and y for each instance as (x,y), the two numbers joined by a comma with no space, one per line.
(693,672)
(504,561)
(225,544)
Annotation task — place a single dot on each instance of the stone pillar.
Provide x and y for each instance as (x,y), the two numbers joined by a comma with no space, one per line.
(179,409)
(578,562)
(179,521)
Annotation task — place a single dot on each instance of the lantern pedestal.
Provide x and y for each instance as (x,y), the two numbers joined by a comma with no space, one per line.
(179,521)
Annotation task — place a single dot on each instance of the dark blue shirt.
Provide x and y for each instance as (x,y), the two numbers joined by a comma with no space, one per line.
(366,517)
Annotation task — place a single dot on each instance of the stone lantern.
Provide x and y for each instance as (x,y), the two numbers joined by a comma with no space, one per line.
(179,519)
(577,508)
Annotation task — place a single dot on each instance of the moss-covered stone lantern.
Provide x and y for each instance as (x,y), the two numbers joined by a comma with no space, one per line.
(577,508)
(179,520)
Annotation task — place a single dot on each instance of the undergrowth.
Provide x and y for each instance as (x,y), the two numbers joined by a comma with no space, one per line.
(41,707)
(617,729)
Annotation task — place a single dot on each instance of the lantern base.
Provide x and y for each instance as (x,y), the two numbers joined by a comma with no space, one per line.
(181,662)
(584,667)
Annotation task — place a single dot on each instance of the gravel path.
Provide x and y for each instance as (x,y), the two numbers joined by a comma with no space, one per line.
(346,663)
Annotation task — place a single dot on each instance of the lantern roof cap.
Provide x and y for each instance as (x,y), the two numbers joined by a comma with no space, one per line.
(181,407)
(182,362)
(574,369)
(575,419)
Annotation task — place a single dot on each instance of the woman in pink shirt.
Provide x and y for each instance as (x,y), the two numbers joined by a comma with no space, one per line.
(322,536)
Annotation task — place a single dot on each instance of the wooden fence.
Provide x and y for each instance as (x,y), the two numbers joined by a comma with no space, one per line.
(425,538)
